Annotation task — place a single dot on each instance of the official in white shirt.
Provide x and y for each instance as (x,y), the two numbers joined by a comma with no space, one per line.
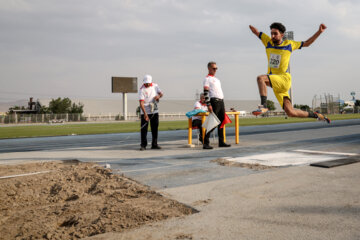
(214,98)
(149,96)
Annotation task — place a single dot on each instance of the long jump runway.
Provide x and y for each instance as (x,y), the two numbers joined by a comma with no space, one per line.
(274,145)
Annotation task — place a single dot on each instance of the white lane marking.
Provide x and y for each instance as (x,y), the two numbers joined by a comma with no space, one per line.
(327,153)
(64,145)
(25,174)
(105,161)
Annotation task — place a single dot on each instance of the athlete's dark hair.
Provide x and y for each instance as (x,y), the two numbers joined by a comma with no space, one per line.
(210,63)
(278,26)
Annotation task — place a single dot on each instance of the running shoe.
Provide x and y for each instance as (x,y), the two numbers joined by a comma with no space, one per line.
(260,110)
(321,117)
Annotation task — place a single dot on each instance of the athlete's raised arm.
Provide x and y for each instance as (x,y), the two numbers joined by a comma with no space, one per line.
(254,30)
(308,42)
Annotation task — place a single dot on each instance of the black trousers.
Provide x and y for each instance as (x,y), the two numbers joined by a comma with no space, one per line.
(154,124)
(218,107)
(197,123)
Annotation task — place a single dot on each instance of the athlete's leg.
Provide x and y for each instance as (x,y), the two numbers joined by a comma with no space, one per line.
(292,112)
(263,82)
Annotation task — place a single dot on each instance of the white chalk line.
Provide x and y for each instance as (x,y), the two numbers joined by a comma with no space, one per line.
(25,174)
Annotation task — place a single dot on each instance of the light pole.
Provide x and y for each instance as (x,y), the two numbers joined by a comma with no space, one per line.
(289,35)
(353,96)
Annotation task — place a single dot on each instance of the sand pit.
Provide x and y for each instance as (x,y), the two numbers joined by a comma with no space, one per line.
(225,162)
(72,200)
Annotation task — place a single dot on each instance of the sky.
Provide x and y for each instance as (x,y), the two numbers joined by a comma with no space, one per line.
(72,48)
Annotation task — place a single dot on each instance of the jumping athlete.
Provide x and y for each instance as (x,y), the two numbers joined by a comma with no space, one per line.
(278,77)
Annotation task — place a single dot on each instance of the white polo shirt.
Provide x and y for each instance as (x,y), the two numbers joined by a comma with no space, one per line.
(199,105)
(214,86)
(147,94)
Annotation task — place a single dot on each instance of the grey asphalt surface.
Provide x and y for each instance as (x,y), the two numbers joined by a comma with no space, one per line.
(66,142)
(176,165)
(300,202)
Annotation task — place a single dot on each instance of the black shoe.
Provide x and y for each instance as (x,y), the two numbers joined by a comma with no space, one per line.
(155,147)
(224,145)
(142,148)
(206,146)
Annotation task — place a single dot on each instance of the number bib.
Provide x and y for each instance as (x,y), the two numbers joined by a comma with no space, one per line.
(274,61)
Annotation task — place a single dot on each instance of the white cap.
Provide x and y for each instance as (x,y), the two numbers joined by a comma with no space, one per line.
(147,79)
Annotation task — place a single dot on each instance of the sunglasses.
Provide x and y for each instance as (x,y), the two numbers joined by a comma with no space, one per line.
(214,69)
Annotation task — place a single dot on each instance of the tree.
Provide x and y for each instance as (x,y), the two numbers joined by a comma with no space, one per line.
(65,106)
(302,107)
(271,105)
(60,105)
(11,109)
(77,108)
(138,111)
(357,106)
(44,110)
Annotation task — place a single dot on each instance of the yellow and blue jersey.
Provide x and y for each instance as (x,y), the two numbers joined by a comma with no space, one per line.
(279,55)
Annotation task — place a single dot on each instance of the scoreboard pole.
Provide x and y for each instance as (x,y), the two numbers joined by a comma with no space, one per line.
(124,85)
(125,106)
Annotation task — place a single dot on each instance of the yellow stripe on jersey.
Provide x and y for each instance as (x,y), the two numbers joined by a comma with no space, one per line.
(279,55)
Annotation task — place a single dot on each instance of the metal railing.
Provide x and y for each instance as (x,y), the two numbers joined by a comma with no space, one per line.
(68,118)
(65,118)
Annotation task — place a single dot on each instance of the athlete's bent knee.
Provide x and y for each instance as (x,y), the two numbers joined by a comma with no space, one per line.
(289,111)
(261,78)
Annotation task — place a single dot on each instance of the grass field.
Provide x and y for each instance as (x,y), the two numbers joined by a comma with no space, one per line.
(123,127)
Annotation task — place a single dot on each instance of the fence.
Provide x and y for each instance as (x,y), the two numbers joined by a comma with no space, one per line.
(40,118)
(65,118)
(326,103)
